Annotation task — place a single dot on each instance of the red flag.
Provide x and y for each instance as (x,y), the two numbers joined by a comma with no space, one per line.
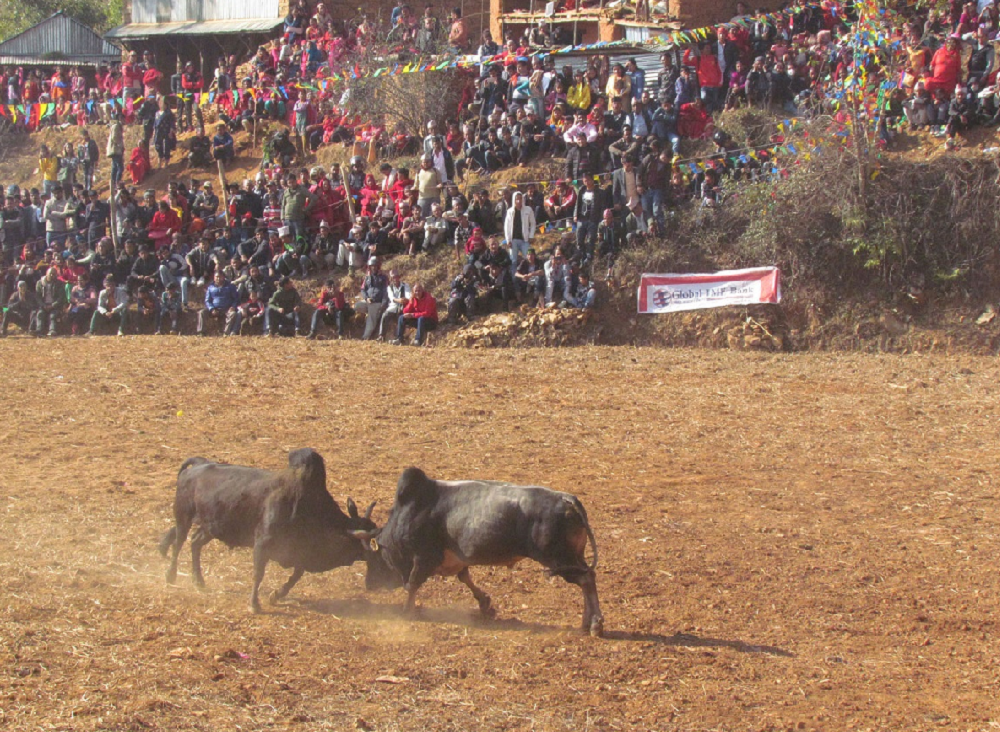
(34,117)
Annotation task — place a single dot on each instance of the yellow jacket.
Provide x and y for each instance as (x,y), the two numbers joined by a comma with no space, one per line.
(49,167)
(578,96)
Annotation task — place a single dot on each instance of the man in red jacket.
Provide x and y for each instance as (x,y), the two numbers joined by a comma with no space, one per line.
(421,308)
(193,83)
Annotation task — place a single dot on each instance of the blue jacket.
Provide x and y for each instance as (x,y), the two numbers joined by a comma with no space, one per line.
(221,298)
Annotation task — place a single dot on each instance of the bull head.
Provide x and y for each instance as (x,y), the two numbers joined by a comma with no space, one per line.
(381,574)
(367,538)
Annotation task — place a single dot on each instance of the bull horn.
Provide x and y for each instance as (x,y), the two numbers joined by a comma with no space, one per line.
(363,535)
(368,511)
(352,508)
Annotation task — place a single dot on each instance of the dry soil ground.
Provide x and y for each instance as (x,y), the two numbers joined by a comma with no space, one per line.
(786,541)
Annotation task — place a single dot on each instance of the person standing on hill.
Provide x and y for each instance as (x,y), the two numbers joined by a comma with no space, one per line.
(192,83)
(518,229)
(116,148)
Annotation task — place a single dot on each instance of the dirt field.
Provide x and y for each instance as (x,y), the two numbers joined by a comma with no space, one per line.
(786,542)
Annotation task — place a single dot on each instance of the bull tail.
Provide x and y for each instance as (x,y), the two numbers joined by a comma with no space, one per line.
(582,513)
(167,540)
(191,462)
(593,543)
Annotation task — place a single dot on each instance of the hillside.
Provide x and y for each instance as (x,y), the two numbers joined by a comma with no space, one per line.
(822,309)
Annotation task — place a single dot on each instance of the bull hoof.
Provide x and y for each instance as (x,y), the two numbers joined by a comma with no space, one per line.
(487,609)
(275,597)
(171,576)
(199,582)
(255,608)
(597,628)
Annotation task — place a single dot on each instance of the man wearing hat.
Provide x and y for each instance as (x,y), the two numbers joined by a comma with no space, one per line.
(325,246)
(206,204)
(535,138)
(374,298)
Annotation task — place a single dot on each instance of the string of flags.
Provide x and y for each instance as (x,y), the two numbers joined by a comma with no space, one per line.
(657,44)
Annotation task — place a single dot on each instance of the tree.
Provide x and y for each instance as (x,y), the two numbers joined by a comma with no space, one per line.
(17,15)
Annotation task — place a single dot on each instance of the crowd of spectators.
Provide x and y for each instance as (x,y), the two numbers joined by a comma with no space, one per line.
(616,131)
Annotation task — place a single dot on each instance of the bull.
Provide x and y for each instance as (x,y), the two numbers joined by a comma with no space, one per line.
(285,516)
(438,527)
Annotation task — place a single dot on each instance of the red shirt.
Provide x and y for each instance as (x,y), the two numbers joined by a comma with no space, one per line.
(422,307)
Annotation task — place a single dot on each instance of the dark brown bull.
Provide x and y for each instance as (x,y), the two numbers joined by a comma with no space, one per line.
(286,516)
(439,527)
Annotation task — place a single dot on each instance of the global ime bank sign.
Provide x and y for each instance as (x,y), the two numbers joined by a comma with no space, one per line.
(671,293)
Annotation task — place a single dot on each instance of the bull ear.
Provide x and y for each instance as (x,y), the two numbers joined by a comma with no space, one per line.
(368,511)
(352,508)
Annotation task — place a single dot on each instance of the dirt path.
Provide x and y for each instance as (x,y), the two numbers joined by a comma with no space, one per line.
(804,542)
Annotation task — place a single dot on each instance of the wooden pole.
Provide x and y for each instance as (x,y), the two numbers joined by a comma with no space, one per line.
(114,204)
(225,193)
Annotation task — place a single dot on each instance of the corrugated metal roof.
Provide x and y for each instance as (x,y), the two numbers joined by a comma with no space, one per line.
(211,27)
(147,12)
(75,60)
(60,35)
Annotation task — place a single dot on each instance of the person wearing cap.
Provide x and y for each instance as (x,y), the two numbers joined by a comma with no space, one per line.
(625,146)
(535,138)
(294,257)
(373,299)
(399,294)
(283,308)
(325,246)
(562,203)
(206,204)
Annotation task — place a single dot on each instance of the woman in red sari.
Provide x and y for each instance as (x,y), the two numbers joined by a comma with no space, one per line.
(164,224)
(693,121)
(139,164)
(946,67)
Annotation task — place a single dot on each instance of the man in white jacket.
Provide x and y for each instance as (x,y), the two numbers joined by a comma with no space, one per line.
(518,230)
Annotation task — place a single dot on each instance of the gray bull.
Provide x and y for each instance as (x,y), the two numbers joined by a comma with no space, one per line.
(442,528)
(286,516)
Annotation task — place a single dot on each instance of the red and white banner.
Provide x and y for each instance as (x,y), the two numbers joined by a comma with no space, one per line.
(671,293)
